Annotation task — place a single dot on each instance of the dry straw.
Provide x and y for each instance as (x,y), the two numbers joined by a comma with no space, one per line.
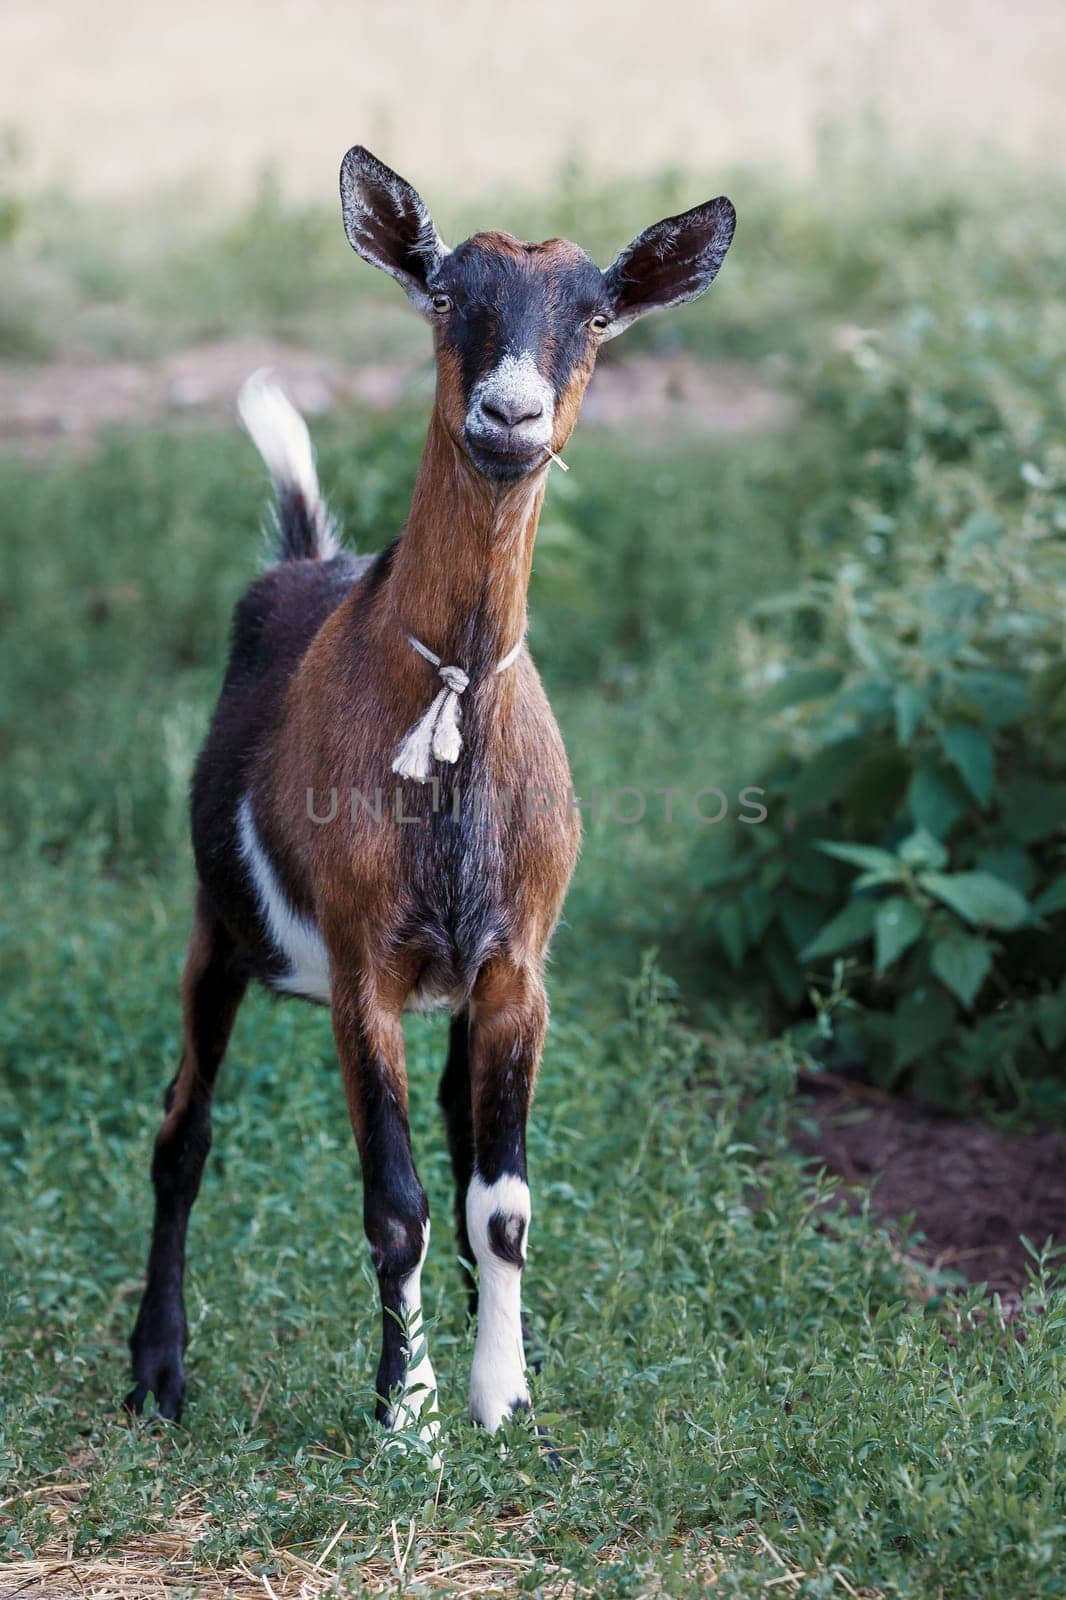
(165,1563)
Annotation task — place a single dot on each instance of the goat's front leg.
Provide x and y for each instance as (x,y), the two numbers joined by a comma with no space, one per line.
(509,1021)
(369,1033)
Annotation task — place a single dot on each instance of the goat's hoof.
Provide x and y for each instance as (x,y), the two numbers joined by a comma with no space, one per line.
(157,1348)
(408,1436)
(531,1345)
(545,1443)
(161,1374)
(546,1446)
(490,1412)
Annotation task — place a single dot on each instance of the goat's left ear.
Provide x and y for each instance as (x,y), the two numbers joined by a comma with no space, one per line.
(671,262)
(388,224)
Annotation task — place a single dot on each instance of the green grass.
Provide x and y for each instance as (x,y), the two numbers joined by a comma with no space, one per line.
(714,1367)
(734,1367)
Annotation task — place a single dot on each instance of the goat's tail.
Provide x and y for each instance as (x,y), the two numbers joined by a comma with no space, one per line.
(305,528)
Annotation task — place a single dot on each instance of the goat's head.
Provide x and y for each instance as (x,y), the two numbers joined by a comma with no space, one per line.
(517,326)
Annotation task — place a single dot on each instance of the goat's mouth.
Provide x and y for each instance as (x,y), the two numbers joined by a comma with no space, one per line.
(504,459)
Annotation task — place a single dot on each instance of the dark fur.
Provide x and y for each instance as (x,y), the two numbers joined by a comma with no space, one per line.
(273,626)
(499,308)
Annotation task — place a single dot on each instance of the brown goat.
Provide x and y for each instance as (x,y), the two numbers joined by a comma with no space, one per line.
(332,863)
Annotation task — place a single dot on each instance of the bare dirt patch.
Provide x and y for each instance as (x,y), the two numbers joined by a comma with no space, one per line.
(679,394)
(659,396)
(78,399)
(972,1191)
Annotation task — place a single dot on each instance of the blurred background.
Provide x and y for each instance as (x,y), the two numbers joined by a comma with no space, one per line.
(116,99)
(813,541)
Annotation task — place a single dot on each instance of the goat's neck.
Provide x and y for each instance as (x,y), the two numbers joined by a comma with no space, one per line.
(459,576)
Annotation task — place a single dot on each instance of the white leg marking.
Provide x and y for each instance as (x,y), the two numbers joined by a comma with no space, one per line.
(420,1383)
(498,1378)
(295,938)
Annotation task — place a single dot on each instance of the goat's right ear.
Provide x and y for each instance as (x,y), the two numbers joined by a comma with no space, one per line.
(672,262)
(388,224)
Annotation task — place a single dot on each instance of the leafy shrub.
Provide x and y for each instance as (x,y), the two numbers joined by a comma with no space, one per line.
(906,897)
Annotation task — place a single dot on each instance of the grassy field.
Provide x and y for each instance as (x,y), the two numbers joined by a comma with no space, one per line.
(751,1391)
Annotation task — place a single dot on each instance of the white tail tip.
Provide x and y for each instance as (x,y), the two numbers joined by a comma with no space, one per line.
(280,435)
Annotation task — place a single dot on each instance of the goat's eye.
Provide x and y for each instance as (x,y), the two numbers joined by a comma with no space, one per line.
(599,323)
(441,303)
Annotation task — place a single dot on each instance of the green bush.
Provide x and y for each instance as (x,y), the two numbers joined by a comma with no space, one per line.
(906,897)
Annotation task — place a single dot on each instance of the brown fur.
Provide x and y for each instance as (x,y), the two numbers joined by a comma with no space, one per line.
(206,1028)
(466,553)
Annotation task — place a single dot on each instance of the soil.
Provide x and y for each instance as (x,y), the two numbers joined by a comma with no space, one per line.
(971,1190)
(76,399)
(654,397)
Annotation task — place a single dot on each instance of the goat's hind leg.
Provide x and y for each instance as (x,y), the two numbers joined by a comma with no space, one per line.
(213,985)
(369,1033)
(457,1110)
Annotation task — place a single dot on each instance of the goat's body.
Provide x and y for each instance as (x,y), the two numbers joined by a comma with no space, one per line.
(445,858)
(330,866)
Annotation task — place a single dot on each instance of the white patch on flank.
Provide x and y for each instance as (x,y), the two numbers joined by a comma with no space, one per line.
(420,1383)
(295,938)
(280,435)
(498,1377)
(517,386)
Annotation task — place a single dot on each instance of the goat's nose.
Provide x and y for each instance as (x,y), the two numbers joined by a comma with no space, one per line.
(509,413)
